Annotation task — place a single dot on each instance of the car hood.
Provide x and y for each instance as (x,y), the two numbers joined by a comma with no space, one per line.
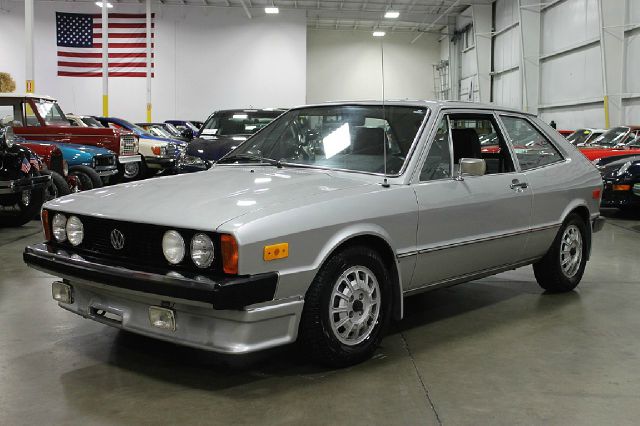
(215,148)
(204,200)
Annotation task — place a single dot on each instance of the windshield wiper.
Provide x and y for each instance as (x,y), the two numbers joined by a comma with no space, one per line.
(250,158)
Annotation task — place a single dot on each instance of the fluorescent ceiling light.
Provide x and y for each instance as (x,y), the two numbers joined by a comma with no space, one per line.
(271,10)
(379,33)
(240,116)
(391,14)
(100,4)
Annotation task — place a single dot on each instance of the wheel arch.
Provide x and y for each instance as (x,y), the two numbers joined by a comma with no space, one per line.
(379,241)
(581,210)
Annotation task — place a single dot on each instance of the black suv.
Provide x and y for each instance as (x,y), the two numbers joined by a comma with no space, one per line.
(22,185)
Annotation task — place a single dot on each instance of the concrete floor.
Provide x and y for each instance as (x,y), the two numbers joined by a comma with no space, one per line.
(495,351)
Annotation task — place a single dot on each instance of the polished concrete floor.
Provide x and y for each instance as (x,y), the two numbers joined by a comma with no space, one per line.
(495,351)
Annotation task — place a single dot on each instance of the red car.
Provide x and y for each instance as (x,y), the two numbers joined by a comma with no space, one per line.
(618,141)
(41,118)
(62,183)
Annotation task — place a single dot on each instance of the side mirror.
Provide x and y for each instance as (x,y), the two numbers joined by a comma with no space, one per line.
(472,167)
(187,133)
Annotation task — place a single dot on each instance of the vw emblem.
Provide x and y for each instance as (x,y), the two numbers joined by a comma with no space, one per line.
(117,239)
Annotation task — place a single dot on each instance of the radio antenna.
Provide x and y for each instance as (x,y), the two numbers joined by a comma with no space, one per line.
(385,183)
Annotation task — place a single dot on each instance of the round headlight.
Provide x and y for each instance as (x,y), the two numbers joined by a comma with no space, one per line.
(201,250)
(173,247)
(75,230)
(59,224)
(9,137)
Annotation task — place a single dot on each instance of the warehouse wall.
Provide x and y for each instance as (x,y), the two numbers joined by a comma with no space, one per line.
(631,98)
(206,59)
(347,65)
(507,83)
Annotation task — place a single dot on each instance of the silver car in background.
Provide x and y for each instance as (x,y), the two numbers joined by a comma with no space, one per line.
(318,226)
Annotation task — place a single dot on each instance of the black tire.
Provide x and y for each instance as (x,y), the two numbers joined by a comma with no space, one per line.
(58,188)
(549,271)
(317,337)
(27,212)
(140,174)
(87,171)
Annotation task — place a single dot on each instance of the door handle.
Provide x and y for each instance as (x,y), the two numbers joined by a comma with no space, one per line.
(516,184)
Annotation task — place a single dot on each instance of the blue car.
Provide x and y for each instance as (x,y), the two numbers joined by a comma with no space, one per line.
(92,165)
(160,154)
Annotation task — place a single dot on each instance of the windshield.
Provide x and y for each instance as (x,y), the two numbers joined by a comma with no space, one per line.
(51,112)
(238,122)
(612,137)
(160,132)
(171,129)
(579,136)
(343,137)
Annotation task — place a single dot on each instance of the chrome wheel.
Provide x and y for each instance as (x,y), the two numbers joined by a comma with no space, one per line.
(571,251)
(131,170)
(354,305)
(26,198)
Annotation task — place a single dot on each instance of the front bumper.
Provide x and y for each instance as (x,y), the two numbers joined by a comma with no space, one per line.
(160,162)
(105,172)
(124,159)
(222,292)
(28,183)
(231,327)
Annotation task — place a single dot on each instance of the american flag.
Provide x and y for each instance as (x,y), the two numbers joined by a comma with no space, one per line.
(79,40)
(25,167)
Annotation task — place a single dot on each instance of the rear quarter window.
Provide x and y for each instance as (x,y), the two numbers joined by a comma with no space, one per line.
(532,148)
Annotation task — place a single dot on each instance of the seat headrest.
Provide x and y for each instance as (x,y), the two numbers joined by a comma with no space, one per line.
(368,141)
(466,144)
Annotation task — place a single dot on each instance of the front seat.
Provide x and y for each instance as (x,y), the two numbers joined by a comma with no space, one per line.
(466,144)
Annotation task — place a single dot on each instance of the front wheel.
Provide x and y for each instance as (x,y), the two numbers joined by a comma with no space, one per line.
(25,209)
(347,308)
(561,269)
(89,178)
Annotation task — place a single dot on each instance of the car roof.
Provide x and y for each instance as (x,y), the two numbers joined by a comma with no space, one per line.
(432,104)
(26,95)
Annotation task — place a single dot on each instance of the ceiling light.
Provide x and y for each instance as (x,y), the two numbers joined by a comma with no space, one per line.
(100,4)
(391,14)
(271,10)
(379,33)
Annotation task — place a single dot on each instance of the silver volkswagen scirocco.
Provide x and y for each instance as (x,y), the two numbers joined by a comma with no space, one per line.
(316,228)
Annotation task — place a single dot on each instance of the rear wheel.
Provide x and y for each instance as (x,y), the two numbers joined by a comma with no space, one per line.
(89,178)
(561,269)
(58,187)
(347,308)
(24,210)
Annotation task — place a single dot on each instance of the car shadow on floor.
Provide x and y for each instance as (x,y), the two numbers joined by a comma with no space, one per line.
(199,369)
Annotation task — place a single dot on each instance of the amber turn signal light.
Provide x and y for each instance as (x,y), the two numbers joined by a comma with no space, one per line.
(45,225)
(622,187)
(229,250)
(276,251)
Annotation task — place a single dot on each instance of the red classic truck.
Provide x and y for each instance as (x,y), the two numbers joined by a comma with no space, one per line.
(40,118)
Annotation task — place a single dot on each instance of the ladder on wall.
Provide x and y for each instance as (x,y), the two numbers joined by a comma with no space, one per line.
(441,86)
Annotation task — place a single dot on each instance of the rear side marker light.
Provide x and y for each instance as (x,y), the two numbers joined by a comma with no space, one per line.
(162,318)
(62,292)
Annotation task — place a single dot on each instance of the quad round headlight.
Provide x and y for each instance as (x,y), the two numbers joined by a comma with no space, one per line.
(75,230)
(58,225)
(173,247)
(201,250)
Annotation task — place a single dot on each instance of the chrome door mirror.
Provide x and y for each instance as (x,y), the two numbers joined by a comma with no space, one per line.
(472,167)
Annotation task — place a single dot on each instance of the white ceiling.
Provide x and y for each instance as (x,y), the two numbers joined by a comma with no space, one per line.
(352,15)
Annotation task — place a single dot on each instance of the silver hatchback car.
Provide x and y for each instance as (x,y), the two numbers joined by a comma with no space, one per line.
(318,226)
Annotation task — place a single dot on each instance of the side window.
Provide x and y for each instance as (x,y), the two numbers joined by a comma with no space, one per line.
(10,115)
(32,119)
(437,165)
(532,148)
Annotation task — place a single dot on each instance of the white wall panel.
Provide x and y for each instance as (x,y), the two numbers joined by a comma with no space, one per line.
(568,23)
(469,65)
(205,59)
(633,12)
(507,89)
(632,55)
(571,77)
(575,117)
(506,13)
(347,65)
(631,111)
(506,50)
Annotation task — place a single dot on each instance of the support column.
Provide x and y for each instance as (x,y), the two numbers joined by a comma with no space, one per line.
(28,32)
(530,53)
(149,70)
(105,59)
(612,21)
(482,17)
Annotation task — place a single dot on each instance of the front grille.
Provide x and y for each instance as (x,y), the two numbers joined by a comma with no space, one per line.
(128,145)
(105,160)
(56,164)
(142,243)
(171,150)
